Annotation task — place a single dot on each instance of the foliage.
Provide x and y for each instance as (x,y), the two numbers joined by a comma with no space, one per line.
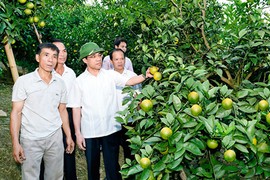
(187,150)
(218,51)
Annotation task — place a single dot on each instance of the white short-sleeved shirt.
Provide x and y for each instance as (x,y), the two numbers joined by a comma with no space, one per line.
(121,96)
(107,64)
(69,78)
(97,98)
(40,114)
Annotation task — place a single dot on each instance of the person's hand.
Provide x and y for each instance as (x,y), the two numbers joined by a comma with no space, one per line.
(70,145)
(80,141)
(18,153)
(148,74)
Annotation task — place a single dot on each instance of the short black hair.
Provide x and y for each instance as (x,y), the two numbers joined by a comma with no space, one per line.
(118,40)
(47,45)
(116,50)
(57,40)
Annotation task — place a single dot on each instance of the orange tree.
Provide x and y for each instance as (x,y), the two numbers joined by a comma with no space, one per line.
(218,51)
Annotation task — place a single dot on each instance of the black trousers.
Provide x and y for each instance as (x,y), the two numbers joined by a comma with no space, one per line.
(69,159)
(110,151)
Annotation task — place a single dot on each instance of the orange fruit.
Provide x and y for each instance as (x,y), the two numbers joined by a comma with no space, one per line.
(268,118)
(27,11)
(165,133)
(30,5)
(145,162)
(36,19)
(212,144)
(153,69)
(229,155)
(157,76)
(31,19)
(22,1)
(193,97)
(254,141)
(146,105)
(41,24)
(263,105)
(196,110)
(227,103)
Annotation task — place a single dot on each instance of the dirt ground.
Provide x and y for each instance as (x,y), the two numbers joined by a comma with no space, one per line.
(8,168)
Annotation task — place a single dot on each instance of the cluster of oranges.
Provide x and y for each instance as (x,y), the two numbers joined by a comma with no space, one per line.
(227,104)
(28,11)
(154,71)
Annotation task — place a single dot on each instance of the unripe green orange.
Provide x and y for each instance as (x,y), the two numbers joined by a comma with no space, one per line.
(193,97)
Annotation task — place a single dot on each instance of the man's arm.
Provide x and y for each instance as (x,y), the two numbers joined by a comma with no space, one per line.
(77,126)
(139,79)
(15,126)
(64,117)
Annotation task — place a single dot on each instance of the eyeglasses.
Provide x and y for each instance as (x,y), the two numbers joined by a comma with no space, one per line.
(96,55)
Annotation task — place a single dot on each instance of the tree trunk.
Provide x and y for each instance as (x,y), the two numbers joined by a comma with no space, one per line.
(11,61)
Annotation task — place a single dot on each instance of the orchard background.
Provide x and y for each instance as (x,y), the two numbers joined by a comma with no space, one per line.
(217,50)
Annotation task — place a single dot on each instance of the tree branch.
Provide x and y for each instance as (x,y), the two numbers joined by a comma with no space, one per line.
(250,74)
(202,26)
(180,8)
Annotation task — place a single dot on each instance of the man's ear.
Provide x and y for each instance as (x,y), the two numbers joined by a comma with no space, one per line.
(37,57)
(84,60)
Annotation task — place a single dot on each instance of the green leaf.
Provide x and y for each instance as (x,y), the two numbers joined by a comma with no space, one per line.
(176,102)
(188,136)
(179,153)
(227,141)
(241,148)
(192,148)
(172,75)
(242,33)
(190,124)
(153,140)
(211,108)
(209,124)
(242,94)
(212,92)
(221,113)
(219,72)
(145,174)
(159,166)
(251,173)
(148,149)
(134,170)
(170,118)
(247,109)
(175,165)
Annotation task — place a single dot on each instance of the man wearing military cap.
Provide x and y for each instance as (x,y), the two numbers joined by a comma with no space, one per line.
(94,102)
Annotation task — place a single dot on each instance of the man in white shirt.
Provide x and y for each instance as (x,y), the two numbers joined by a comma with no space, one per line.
(119,43)
(69,77)
(94,102)
(38,113)
(117,57)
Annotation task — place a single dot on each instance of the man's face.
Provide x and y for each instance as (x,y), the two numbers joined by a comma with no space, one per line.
(62,57)
(47,59)
(93,61)
(122,46)
(118,60)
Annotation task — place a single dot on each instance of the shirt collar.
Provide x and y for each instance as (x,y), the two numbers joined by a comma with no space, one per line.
(38,78)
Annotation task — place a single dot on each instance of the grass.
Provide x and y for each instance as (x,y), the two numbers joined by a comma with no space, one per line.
(8,168)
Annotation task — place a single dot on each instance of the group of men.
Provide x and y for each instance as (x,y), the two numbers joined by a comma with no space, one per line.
(51,100)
